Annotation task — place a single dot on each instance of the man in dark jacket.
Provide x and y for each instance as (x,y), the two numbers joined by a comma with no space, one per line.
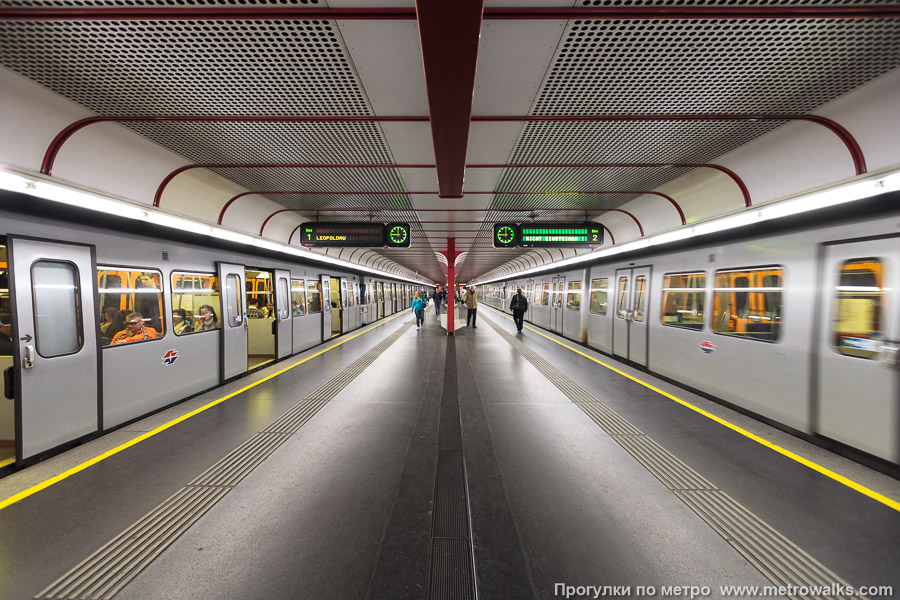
(518,305)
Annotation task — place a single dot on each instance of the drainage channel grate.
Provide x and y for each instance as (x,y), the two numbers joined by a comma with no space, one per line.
(109,569)
(775,556)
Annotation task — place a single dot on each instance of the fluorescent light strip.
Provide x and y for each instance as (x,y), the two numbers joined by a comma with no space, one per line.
(41,188)
(850,192)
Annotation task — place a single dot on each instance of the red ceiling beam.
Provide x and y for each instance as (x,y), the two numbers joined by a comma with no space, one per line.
(853,147)
(449,34)
(263,13)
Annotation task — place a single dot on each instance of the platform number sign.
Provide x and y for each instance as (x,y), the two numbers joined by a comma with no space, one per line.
(397,235)
(506,235)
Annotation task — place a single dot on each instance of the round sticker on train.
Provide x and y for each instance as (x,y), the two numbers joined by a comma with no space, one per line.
(707,347)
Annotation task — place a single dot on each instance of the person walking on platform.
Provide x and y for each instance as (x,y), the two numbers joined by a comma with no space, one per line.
(518,305)
(439,296)
(418,307)
(471,301)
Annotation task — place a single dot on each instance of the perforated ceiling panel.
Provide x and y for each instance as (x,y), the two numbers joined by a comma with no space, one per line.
(634,141)
(277,143)
(724,66)
(189,67)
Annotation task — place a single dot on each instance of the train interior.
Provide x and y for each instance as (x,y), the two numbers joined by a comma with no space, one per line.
(7,412)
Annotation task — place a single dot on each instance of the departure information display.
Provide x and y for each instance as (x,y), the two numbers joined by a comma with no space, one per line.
(560,235)
(342,235)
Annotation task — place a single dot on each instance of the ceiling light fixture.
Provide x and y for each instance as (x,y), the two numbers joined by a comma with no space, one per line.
(38,186)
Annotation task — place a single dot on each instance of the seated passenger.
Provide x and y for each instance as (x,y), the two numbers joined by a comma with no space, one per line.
(270,311)
(180,322)
(208,319)
(110,315)
(253,311)
(135,331)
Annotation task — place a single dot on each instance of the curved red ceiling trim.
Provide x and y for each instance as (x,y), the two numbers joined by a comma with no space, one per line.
(375,210)
(612,238)
(856,153)
(740,184)
(262,13)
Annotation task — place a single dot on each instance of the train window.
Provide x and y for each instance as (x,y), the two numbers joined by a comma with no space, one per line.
(621,305)
(640,286)
(195,302)
(599,295)
(298,297)
(314,296)
(124,294)
(573,302)
(858,327)
(683,300)
(58,328)
(747,303)
(283,292)
(233,313)
(545,294)
(344,294)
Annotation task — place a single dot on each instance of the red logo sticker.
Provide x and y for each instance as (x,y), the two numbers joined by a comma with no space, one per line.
(707,347)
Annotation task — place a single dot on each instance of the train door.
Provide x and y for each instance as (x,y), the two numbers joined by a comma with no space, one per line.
(335,298)
(56,343)
(529,295)
(234,320)
(380,300)
(557,300)
(345,305)
(630,323)
(858,373)
(284,334)
(325,282)
(260,317)
(571,312)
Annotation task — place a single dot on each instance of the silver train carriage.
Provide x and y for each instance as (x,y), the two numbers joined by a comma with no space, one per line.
(799,327)
(73,369)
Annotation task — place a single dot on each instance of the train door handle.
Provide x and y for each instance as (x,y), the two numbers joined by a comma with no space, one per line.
(28,359)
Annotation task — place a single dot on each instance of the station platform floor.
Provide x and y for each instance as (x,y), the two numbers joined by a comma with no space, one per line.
(397,462)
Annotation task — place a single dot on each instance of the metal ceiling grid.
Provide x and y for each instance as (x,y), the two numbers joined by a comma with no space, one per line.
(773,66)
(275,143)
(128,68)
(634,142)
(732,3)
(313,179)
(584,179)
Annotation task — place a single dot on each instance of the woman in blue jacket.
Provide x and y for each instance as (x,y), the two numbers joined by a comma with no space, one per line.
(418,307)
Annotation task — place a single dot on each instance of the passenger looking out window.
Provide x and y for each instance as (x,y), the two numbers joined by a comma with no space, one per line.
(180,322)
(135,330)
(208,319)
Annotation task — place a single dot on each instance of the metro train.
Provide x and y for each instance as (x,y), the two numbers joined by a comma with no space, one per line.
(798,326)
(67,288)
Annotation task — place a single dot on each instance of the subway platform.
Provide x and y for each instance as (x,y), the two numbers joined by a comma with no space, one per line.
(397,463)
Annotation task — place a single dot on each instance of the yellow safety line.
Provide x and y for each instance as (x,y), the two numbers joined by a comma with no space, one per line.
(81,467)
(8,461)
(796,457)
